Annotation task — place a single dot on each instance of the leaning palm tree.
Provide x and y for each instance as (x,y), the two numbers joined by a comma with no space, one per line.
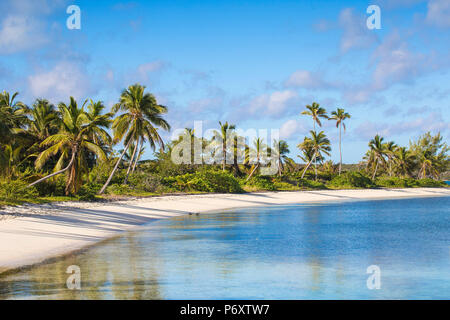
(225,129)
(281,149)
(376,153)
(74,142)
(339,116)
(140,121)
(319,144)
(260,148)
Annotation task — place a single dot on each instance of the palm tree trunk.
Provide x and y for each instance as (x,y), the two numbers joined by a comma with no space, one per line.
(253,171)
(137,158)
(375,172)
(57,172)
(390,167)
(280,166)
(340,149)
(131,162)
(307,166)
(115,168)
(315,159)
(224,153)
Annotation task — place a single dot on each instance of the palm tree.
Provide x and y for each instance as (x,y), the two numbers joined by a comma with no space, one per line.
(389,149)
(225,129)
(44,121)
(339,116)
(74,141)
(404,161)
(12,115)
(281,149)
(319,144)
(140,122)
(316,112)
(101,121)
(260,148)
(376,153)
(10,158)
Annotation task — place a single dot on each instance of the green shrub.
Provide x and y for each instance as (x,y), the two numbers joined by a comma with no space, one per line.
(260,183)
(88,191)
(427,182)
(146,182)
(17,190)
(120,189)
(396,182)
(307,184)
(54,186)
(351,180)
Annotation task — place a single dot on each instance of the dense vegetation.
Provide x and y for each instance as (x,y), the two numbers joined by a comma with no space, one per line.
(67,151)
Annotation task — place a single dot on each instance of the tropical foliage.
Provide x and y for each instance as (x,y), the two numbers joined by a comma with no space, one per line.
(82,149)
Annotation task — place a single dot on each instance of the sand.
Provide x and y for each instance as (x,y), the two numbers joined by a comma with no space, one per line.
(35,233)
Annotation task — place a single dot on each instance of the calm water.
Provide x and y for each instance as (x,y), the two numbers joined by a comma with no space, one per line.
(318,251)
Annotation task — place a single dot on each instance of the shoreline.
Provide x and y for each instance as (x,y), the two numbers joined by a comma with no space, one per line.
(55,230)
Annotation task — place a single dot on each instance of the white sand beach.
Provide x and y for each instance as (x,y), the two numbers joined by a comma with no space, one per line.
(40,232)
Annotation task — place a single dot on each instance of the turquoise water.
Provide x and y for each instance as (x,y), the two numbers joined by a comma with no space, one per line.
(317,251)
(447,182)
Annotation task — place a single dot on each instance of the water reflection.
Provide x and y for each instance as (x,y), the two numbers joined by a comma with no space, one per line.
(306,251)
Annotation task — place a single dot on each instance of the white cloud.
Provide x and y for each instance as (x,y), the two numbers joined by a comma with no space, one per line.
(291,127)
(19,33)
(433,122)
(355,35)
(64,80)
(439,13)
(272,104)
(23,25)
(305,79)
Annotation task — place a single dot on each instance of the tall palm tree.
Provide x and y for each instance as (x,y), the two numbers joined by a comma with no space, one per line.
(376,153)
(316,112)
(281,149)
(74,142)
(140,121)
(339,116)
(225,129)
(319,144)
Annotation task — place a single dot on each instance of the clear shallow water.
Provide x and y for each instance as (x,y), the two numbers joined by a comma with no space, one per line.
(318,251)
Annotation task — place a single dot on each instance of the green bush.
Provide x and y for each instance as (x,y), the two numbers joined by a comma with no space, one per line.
(310,184)
(17,190)
(146,182)
(351,180)
(54,186)
(88,191)
(396,182)
(120,189)
(427,182)
(204,181)
(260,183)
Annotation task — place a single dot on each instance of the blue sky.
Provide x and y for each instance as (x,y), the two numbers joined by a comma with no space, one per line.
(254,63)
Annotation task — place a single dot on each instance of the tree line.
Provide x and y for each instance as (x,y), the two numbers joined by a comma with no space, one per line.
(42,141)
